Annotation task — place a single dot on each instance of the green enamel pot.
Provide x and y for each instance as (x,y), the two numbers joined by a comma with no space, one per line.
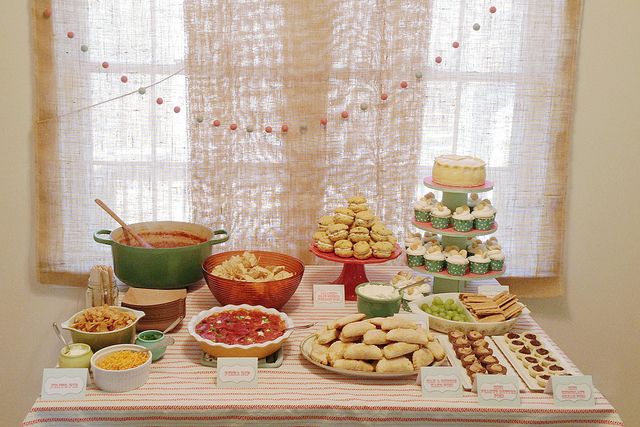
(161,267)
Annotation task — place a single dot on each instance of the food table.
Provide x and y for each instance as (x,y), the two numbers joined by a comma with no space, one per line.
(181,391)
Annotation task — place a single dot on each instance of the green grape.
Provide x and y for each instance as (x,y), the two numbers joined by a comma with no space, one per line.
(437,301)
(457,318)
(449,302)
(460,310)
(424,307)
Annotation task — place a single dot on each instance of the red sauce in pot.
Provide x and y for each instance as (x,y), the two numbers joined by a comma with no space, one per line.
(241,327)
(164,239)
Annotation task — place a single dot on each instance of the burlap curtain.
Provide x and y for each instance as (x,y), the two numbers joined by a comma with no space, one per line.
(488,78)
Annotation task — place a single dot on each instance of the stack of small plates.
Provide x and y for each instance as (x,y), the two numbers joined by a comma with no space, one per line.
(161,307)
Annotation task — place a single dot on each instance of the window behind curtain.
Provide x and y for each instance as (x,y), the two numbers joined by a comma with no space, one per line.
(504,95)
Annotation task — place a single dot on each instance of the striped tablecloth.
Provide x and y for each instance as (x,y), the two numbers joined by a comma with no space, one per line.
(180,391)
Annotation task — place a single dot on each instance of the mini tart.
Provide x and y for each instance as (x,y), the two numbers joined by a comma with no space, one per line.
(463,351)
(468,360)
(489,359)
(543,379)
(548,361)
(476,368)
(534,344)
(529,336)
(555,370)
(516,345)
(523,352)
(479,343)
(453,335)
(542,352)
(460,342)
(474,335)
(535,370)
(482,351)
(496,369)
(510,336)
(530,360)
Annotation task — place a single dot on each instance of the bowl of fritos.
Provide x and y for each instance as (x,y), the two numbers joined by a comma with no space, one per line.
(101,327)
(256,277)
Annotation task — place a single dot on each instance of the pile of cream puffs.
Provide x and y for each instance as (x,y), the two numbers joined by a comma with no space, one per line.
(354,231)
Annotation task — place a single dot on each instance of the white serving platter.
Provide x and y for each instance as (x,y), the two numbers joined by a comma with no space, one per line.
(522,371)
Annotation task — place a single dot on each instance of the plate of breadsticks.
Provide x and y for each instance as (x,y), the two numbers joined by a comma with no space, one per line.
(380,347)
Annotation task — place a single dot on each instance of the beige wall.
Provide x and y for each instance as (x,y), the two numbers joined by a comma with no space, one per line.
(599,333)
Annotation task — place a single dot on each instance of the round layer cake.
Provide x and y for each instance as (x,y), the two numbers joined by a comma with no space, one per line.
(459,171)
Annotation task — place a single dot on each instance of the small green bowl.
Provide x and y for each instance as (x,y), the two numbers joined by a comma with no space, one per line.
(153,340)
(374,307)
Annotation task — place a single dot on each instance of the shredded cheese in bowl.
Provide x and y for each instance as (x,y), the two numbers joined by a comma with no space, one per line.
(121,360)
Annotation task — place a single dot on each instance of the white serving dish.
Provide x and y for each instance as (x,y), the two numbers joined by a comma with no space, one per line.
(445,326)
(523,372)
(466,380)
(260,350)
(305,349)
(120,381)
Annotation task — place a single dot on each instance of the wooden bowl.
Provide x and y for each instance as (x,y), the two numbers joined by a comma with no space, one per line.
(272,294)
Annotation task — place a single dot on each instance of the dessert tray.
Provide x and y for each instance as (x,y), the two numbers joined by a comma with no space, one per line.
(305,349)
(522,370)
(467,382)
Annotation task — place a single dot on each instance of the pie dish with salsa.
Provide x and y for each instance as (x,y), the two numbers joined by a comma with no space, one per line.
(240,330)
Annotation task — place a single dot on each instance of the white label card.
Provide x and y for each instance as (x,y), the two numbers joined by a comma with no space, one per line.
(572,391)
(64,383)
(497,390)
(328,296)
(237,372)
(440,381)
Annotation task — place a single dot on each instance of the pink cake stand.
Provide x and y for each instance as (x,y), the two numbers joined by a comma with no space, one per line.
(353,269)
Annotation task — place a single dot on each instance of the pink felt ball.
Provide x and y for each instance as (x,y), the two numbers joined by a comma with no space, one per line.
(438,59)
(46,12)
(285,128)
(70,34)
(404,84)
(323,121)
(105,64)
(159,101)
(124,79)
(176,109)
(455,45)
(268,129)
(344,114)
(233,126)
(492,9)
(384,96)
(216,123)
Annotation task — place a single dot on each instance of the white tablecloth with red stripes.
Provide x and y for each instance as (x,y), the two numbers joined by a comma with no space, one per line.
(182,392)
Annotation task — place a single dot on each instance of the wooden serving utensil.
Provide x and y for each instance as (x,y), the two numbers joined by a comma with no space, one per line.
(126,228)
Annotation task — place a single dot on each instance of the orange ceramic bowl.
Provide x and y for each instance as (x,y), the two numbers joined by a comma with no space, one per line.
(272,294)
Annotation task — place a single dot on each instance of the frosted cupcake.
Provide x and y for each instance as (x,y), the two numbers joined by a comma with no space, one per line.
(473,200)
(462,219)
(476,247)
(422,211)
(434,259)
(415,255)
(453,250)
(479,264)
(412,238)
(440,216)
(457,265)
(483,215)
(430,237)
(497,260)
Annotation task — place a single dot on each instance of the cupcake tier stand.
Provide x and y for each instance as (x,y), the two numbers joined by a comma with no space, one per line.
(452,197)
(353,272)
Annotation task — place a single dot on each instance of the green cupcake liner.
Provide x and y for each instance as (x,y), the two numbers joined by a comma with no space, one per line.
(462,224)
(456,269)
(496,265)
(483,223)
(415,260)
(422,216)
(439,223)
(478,267)
(434,266)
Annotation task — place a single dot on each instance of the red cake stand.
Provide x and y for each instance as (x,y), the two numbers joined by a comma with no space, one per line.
(353,269)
